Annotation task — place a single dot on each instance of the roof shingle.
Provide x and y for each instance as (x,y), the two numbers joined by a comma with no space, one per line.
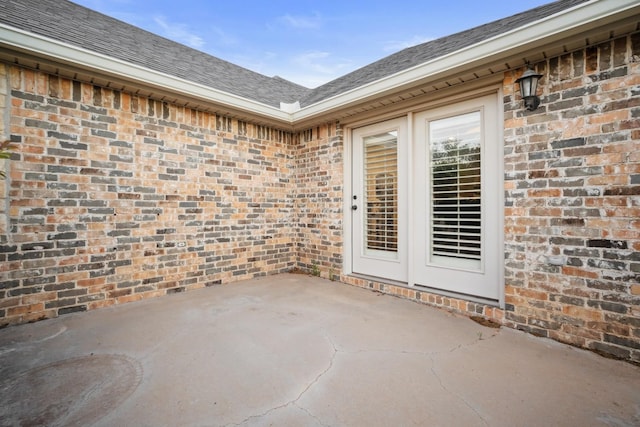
(419,54)
(76,25)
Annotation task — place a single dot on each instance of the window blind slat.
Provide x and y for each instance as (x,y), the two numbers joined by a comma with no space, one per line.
(381,192)
(456,205)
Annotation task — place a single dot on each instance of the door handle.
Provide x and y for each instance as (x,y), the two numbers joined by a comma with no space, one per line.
(354,207)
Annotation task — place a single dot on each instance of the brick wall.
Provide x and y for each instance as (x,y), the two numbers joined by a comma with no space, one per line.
(319,183)
(4,135)
(573,191)
(114,198)
(572,181)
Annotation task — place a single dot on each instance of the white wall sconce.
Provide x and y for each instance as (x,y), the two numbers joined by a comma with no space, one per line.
(528,82)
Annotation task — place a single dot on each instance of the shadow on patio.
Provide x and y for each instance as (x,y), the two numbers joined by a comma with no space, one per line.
(297,350)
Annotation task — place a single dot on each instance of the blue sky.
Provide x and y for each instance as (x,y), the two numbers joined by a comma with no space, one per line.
(307,42)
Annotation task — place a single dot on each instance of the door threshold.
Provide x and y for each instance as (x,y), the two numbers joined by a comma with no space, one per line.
(457,295)
(427,289)
(381,280)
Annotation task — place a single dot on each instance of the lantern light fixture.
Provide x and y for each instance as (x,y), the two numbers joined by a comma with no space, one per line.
(528,82)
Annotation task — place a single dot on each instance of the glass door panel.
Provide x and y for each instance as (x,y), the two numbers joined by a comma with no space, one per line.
(379,200)
(456,191)
(381,193)
(456,198)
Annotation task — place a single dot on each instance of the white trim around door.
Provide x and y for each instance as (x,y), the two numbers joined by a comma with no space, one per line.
(456,198)
(425,206)
(379,200)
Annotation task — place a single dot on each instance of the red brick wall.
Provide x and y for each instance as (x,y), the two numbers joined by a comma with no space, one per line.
(573,190)
(115,198)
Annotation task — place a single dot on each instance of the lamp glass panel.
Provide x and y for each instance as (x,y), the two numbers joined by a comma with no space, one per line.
(526,87)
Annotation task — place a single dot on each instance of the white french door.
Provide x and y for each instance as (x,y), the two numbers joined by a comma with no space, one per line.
(450,184)
(456,196)
(379,200)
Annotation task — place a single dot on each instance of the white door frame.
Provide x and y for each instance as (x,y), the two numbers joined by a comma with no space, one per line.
(455,96)
(477,277)
(372,262)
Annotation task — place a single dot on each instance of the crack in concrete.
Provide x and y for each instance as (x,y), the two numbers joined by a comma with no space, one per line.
(311,415)
(421,353)
(442,385)
(333,356)
(456,395)
(430,355)
(294,402)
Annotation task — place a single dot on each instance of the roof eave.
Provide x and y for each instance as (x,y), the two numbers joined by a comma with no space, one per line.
(54,50)
(559,26)
(569,22)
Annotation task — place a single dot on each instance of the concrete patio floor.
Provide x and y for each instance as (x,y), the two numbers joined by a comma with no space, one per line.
(292,350)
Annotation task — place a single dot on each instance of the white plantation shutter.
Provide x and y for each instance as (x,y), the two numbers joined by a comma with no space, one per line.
(456,202)
(381,191)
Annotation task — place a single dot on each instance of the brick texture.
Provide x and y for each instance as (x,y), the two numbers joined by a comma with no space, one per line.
(319,183)
(115,198)
(572,190)
(571,185)
(4,135)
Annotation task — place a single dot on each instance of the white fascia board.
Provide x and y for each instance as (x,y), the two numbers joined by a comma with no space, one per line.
(543,29)
(65,53)
(538,31)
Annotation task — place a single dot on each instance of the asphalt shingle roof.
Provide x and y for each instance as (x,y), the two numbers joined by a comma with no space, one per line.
(419,54)
(76,25)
